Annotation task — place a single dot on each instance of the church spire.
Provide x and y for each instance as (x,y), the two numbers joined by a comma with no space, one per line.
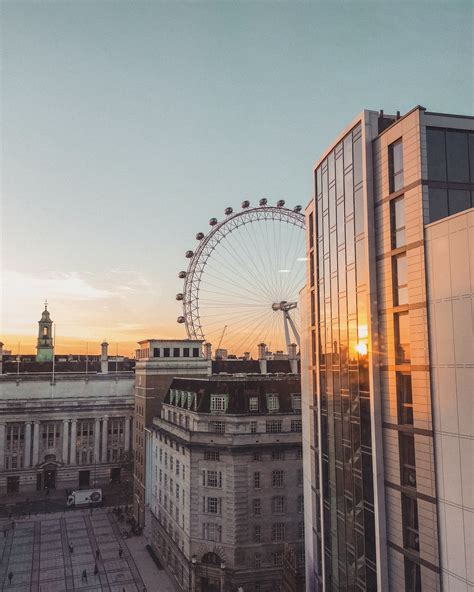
(44,346)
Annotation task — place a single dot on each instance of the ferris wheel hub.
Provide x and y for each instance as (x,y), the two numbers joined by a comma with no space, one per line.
(284,306)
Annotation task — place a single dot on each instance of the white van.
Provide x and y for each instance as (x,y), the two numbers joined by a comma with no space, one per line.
(85,497)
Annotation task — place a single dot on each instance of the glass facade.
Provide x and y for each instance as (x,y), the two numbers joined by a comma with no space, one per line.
(348,545)
(450,171)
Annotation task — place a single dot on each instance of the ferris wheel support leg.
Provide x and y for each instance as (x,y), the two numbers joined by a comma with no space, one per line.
(287,331)
(295,332)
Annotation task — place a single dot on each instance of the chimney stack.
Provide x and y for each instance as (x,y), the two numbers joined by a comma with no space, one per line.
(208,350)
(246,356)
(1,357)
(104,357)
(292,358)
(262,357)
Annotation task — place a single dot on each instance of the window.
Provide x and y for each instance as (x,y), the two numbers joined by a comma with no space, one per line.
(212,532)
(404,399)
(397,215)
(296,425)
(400,280)
(278,455)
(296,402)
(217,426)
(257,533)
(277,478)
(300,530)
(256,480)
(218,402)
(278,505)
(395,166)
(253,427)
(195,352)
(278,531)
(210,478)
(257,507)
(407,459)
(257,560)
(185,352)
(212,455)
(212,505)
(299,476)
(273,427)
(299,454)
(176,352)
(300,504)
(166,352)
(410,523)
(277,558)
(402,338)
(412,576)
(156,352)
(253,404)
(257,456)
(273,402)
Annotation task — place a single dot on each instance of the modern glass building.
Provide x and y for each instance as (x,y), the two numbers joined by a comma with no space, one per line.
(373,469)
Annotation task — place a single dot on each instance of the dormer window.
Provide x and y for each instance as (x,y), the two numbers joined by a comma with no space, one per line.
(172,396)
(296,401)
(273,402)
(219,403)
(253,404)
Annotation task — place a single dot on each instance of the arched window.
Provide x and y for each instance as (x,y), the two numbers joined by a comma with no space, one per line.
(211,559)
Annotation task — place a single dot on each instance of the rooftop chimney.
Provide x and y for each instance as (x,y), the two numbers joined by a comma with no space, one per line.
(262,357)
(104,357)
(1,357)
(207,350)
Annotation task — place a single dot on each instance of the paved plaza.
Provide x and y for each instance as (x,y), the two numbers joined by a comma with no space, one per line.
(36,551)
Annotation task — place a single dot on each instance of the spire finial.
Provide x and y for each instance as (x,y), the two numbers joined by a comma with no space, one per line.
(45,305)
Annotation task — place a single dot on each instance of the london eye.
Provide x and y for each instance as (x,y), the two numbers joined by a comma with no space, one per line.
(242,283)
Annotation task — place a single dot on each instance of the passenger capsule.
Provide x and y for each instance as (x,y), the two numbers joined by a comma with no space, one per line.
(181,320)
(213,221)
(297,209)
(189,254)
(179,296)
(228,211)
(263,201)
(245,204)
(182,275)
(199,235)
(280,203)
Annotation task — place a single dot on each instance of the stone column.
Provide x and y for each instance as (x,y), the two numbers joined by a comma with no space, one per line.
(127,434)
(65,440)
(104,439)
(97,440)
(2,445)
(27,459)
(73,441)
(36,429)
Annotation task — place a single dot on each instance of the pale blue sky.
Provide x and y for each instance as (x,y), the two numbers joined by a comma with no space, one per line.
(127,125)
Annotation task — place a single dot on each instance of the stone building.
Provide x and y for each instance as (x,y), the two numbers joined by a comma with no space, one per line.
(387,356)
(65,421)
(225,482)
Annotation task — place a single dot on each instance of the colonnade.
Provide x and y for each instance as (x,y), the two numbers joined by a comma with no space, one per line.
(69,440)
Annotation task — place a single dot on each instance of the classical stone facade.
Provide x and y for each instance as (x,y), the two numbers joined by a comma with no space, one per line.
(224,484)
(71,433)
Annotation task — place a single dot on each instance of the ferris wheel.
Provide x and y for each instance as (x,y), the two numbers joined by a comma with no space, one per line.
(243,279)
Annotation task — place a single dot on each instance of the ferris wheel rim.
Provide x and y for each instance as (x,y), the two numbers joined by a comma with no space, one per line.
(207,244)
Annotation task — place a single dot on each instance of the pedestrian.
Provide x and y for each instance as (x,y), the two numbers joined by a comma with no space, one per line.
(5,532)
(120,552)
(97,554)
(10,577)
(13,524)
(71,548)
(96,569)
(84,576)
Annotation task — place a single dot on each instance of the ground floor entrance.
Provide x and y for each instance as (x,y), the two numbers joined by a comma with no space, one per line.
(115,475)
(49,477)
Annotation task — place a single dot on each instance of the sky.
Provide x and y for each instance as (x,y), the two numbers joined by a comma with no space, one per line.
(127,125)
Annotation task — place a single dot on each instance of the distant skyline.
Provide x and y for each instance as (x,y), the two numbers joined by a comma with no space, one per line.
(126,126)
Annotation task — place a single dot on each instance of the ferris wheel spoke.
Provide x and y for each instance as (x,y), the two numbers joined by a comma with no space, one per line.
(231,281)
(216,292)
(249,280)
(253,336)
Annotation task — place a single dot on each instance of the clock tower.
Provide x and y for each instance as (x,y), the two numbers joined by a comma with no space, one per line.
(45,346)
